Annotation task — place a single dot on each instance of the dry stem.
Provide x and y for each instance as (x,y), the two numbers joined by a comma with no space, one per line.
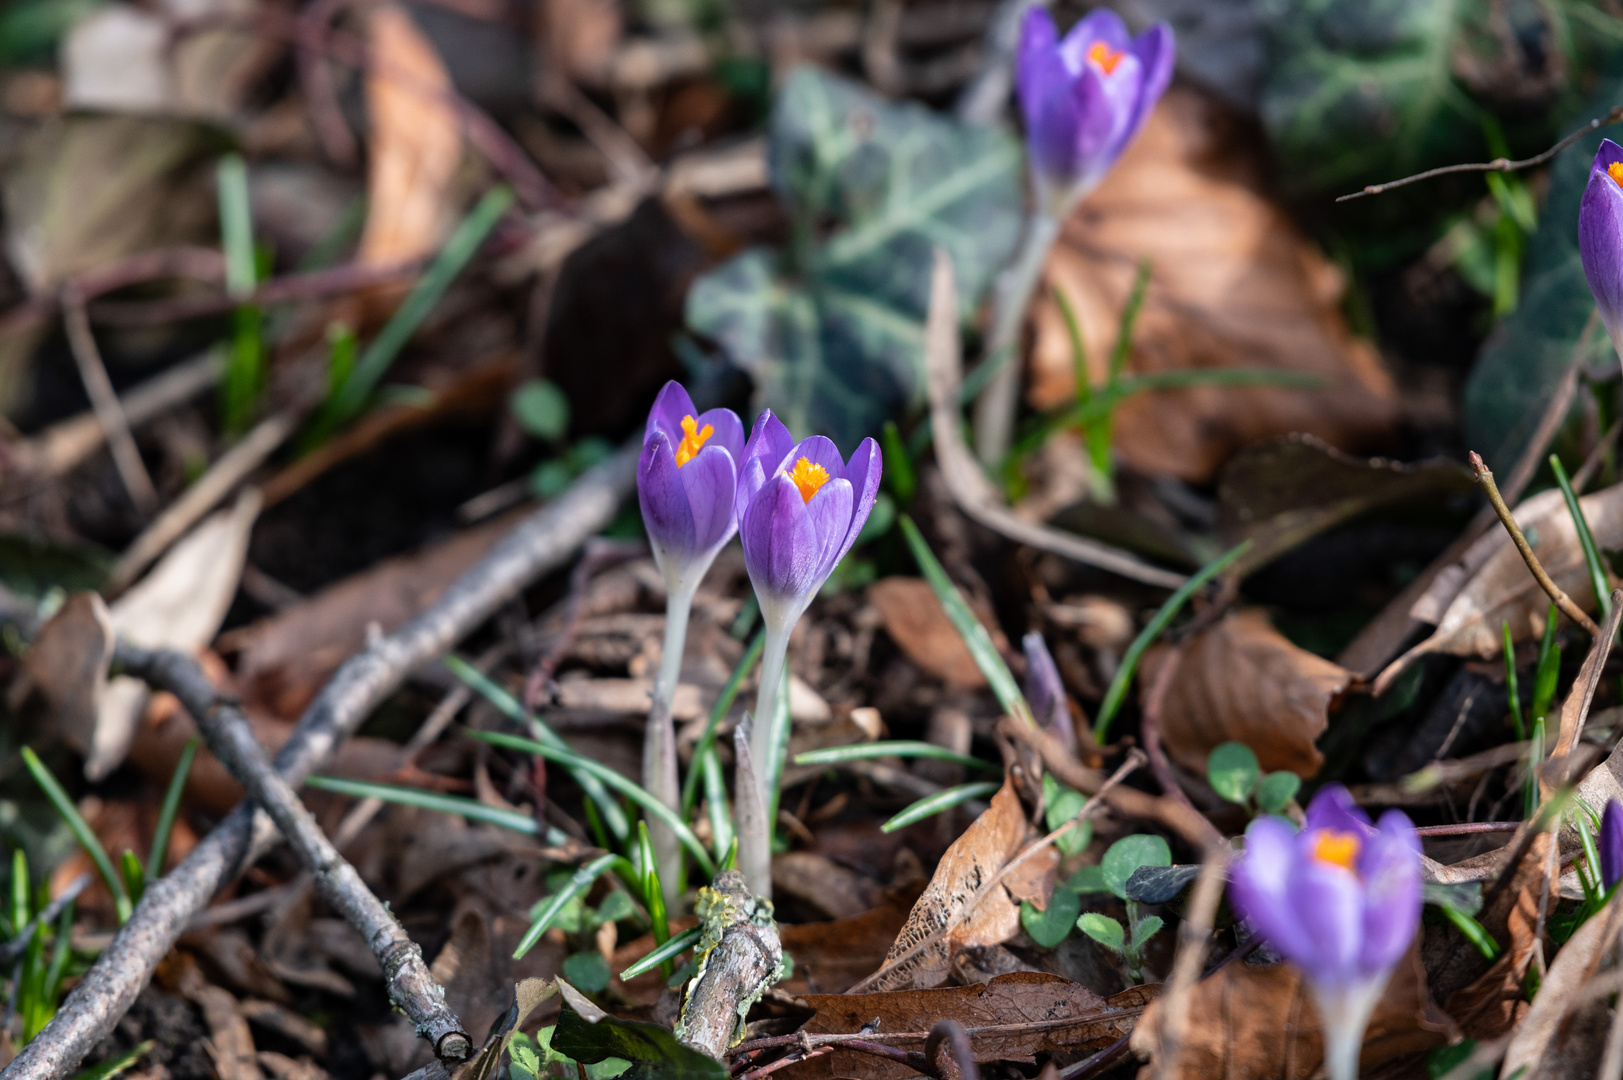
(114,425)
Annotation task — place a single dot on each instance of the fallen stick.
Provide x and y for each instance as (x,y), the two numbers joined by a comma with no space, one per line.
(411,987)
(543,542)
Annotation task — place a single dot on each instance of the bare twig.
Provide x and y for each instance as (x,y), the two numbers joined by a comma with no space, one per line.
(1150,733)
(745,957)
(1497,164)
(315,285)
(968,486)
(1568,607)
(542,543)
(1194,934)
(949,1035)
(109,414)
(202,264)
(411,987)
(1105,1059)
(1468,828)
(224,475)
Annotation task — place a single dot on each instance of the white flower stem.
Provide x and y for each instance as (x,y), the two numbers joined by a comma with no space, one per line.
(1344,1013)
(767,742)
(659,746)
(996,407)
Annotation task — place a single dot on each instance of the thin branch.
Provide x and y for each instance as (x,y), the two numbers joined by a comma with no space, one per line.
(114,425)
(542,543)
(1497,164)
(411,986)
(14,949)
(1194,935)
(314,285)
(1468,828)
(949,1035)
(1150,733)
(1568,608)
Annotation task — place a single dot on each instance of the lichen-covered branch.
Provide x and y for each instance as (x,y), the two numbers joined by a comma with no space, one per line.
(739,958)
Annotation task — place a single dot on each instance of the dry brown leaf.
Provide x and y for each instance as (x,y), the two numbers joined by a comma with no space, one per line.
(477,968)
(1242,681)
(817,881)
(951,915)
(915,621)
(415,145)
(580,38)
(1494,1003)
(1259,1023)
(1547,1043)
(1235,284)
(68,663)
(1011,1018)
(230,1044)
(1498,587)
(831,957)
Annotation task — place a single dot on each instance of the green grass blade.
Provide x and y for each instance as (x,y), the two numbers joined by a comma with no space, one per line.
(60,952)
(236,225)
(1590,875)
(670,950)
(115,1065)
(380,354)
(19,890)
(718,712)
(579,882)
(510,707)
(1117,691)
(1535,757)
(1586,539)
(472,809)
(998,675)
(715,797)
(1512,687)
(1129,319)
(1474,933)
(170,809)
(1079,349)
(931,805)
(653,896)
(903,748)
(635,792)
(135,878)
(81,831)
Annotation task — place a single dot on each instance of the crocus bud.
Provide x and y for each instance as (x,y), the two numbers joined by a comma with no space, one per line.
(1600,237)
(1340,900)
(802,519)
(1611,844)
(686,480)
(1085,97)
(1045,693)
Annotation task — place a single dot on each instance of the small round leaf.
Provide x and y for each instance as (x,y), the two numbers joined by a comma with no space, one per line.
(1147,928)
(1128,854)
(1232,771)
(1103,929)
(1050,926)
(1276,791)
(541,409)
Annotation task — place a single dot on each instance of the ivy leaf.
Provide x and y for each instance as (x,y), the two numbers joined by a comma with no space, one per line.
(833,332)
(652,1050)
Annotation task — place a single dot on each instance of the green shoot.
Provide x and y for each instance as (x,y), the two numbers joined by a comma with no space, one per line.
(135,878)
(1586,539)
(1589,873)
(1535,757)
(899,474)
(472,809)
(715,798)
(81,832)
(666,952)
(1512,687)
(1117,692)
(942,800)
(579,882)
(1474,932)
(170,810)
(245,372)
(903,748)
(609,778)
(718,712)
(1548,672)
(998,676)
(648,875)
(375,361)
(115,1065)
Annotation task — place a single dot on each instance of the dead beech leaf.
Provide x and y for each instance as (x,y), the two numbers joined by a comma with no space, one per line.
(1235,284)
(915,621)
(1242,681)
(1494,1003)
(1499,588)
(68,663)
(180,604)
(415,145)
(1011,1018)
(947,917)
(831,957)
(1259,1023)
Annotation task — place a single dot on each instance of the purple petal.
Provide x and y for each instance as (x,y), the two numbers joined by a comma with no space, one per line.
(710,481)
(1611,843)
(864,470)
(1099,25)
(1389,864)
(1608,154)
(830,510)
(1600,242)
(1044,690)
(670,407)
(664,502)
(780,543)
(1155,51)
(768,443)
(1037,56)
(1104,106)
(1259,883)
(728,433)
(819,450)
(1328,902)
(1333,808)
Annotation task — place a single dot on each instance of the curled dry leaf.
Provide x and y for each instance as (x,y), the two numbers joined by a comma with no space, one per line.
(1491,585)
(1494,1002)
(1235,284)
(951,915)
(1242,681)
(915,621)
(1547,1044)
(1011,1018)
(1259,1023)
(68,663)
(831,957)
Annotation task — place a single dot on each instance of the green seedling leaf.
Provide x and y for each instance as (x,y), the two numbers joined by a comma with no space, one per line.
(170,809)
(578,884)
(652,1050)
(1088,880)
(1127,855)
(1050,926)
(615,907)
(1061,804)
(526,1063)
(832,330)
(1474,932)
(1146,928)
(1276,790)
(588,971)
(1232,771)
(1103,929)
(1160,884)
(541,409)
(117,1064)
(1586,539)
(718,712)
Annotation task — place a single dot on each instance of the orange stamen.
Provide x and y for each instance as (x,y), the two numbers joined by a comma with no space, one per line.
(808,477)
(1337,848)
(693,440)
(1615,171)
(1103,55)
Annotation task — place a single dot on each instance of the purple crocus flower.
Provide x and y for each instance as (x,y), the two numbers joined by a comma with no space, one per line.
(685,482)
(1341,900)
(1600,237)
(1611,844)
(1045,693)
(1085,96)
